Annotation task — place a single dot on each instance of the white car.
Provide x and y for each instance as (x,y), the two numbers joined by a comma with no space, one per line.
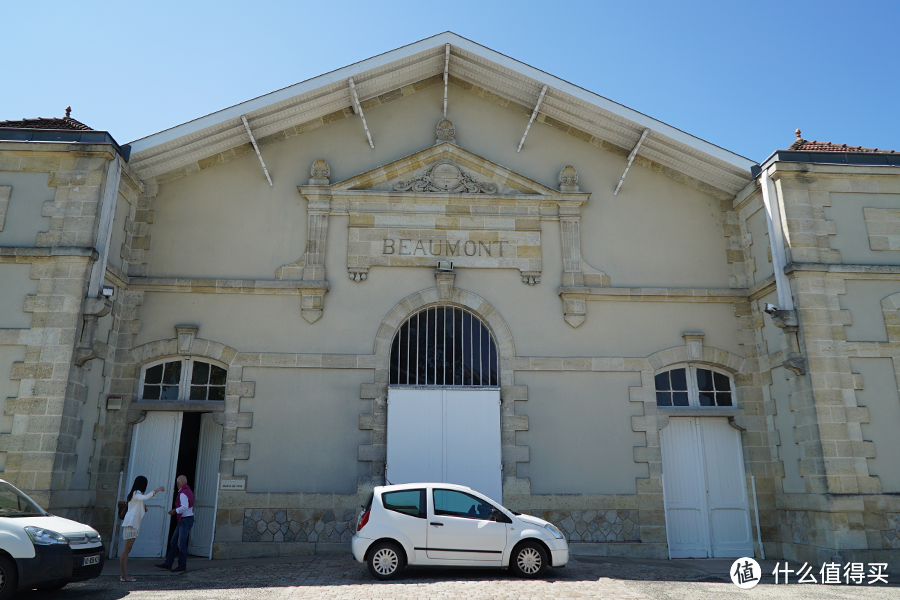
(39,550)
(442,524)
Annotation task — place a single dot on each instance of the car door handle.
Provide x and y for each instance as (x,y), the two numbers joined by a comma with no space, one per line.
(436,524)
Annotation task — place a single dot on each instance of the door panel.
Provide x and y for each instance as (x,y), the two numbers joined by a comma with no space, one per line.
(472,440)
(154,452)
(729,510)
(452,436)
(414,436)
(205,490)
(685,490)
(467,538)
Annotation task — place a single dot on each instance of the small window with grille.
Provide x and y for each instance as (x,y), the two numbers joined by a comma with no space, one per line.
(693,386)
(184,379)
(444,346)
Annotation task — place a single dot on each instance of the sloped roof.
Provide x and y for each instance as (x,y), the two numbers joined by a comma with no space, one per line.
(568,107)
(65,123)
(814,146)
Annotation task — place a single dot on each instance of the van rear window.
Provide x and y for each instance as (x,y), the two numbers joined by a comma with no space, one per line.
(407,502)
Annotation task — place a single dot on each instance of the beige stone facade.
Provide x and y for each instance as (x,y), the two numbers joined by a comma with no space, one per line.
(590,291)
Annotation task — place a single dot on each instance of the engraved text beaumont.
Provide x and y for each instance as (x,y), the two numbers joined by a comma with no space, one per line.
(405,247)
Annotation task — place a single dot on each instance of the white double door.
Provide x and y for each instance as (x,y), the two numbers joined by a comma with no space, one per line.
(705,489)
(445,436)
(154,454)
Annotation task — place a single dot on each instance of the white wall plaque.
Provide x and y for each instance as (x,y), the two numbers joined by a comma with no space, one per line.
(233,485)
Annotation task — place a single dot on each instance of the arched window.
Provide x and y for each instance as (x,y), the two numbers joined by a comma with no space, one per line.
(444,346)
(182,379)
(693,386)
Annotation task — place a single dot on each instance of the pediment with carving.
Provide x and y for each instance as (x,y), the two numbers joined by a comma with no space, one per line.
(444,168)
(440,204)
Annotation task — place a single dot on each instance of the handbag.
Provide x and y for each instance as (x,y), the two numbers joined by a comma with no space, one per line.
(122,507)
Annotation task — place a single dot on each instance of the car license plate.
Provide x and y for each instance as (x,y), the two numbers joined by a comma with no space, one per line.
(91,560)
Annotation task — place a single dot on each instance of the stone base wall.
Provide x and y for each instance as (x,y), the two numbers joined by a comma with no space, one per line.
(868,532)
(595,525)
(298,525)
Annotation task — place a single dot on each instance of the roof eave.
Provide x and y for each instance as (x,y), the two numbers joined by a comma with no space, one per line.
(640,119)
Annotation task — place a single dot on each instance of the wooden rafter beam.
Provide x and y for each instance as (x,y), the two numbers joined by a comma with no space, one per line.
(533,115)
(256,147)
(359,111)
(631,156)
(446,75)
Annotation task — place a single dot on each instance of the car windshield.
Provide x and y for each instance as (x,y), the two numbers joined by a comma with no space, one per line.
(14,503)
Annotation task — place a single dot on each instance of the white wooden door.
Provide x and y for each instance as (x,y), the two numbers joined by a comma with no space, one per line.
(684,487)
(154,453)
(472,441)
(415,434)
(205,490)
(727,502)
(445,436)
(707,510)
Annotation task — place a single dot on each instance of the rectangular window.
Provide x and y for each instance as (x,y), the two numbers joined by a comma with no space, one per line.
(407,502)
(671,388)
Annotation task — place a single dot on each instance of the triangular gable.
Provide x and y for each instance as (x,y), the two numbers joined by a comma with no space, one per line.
(222,136)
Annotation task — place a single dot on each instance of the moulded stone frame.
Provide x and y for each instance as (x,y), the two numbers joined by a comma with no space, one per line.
(225,413)
(511,453)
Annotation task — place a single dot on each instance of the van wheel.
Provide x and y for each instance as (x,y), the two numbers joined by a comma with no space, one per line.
(385,561)
(529,559)
(9,580)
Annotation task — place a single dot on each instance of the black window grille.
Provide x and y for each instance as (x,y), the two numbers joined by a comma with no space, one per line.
(444,346)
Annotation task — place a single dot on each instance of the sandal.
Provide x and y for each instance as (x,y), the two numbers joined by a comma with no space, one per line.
(129,580)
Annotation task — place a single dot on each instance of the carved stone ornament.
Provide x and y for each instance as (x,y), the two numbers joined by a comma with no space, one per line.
(446,132)
(568,179)
(445,177)
(319,172)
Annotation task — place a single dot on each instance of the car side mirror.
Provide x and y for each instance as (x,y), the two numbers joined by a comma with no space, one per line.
(499,517)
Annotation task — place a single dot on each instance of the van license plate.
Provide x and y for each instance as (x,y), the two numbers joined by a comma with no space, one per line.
(91,560)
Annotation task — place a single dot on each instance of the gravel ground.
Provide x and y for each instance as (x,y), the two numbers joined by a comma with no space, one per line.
(340,577)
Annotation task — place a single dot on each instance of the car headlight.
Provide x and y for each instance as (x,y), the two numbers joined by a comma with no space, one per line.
(554,530)
(44,537)
(94,538)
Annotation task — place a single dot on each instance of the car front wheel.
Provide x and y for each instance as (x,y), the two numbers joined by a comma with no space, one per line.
(385,561)
(8,579)
(529,559)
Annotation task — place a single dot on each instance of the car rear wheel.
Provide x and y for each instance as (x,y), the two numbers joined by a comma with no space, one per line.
(529,559)
(8,579)
(385,561)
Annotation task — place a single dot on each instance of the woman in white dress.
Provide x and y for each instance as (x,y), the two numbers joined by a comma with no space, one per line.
(131,524)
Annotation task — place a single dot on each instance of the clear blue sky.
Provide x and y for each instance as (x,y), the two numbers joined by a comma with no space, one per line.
(740,75)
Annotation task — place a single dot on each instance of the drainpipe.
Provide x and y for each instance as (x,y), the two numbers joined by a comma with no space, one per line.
(776,239)
(96,306)
(784,316)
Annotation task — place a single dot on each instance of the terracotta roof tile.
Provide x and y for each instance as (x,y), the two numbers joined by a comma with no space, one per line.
(67,123)
(814,146)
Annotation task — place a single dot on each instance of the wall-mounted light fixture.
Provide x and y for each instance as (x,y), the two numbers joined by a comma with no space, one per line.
(444,265)
(107,291)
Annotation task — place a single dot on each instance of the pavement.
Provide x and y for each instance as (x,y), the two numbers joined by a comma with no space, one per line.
(339,577)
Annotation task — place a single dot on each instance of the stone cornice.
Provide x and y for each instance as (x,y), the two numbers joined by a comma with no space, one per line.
(797,267)
(650,294)
(223,286)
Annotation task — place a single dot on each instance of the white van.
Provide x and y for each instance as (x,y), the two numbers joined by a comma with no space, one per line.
(38,550)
